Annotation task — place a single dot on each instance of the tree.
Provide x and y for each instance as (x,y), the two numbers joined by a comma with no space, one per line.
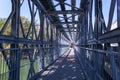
(25,23)
(2,22)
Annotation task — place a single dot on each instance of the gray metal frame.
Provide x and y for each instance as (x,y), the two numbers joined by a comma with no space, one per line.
(99,59)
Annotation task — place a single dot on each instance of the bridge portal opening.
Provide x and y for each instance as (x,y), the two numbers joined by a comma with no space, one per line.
(72,45)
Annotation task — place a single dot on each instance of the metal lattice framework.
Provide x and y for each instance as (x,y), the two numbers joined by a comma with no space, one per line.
(41,44)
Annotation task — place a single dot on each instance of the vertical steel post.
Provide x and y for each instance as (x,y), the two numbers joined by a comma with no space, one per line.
(14,54)
(42,37)
(52,44)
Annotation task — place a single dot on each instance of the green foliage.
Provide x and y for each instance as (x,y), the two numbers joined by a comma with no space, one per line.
(2,22)
(25,23)
(8,29)
(3,69)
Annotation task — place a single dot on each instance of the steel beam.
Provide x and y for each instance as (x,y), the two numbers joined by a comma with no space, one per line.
(11,39)
(64,12)
(62,5)
(110,34)
(69,28)
(59,23)
(110,37)
(15,54)
(111,13)
(69,31)
(41,8)
(118,12)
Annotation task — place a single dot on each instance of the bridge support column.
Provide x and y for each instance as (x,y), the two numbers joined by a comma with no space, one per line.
(42,56)
(15,54)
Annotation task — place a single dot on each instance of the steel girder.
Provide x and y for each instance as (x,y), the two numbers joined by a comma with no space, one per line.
(65,12)
(35,43)
(98,48)
(94,45)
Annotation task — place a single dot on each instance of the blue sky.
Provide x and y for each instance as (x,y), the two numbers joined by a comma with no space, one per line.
(5,10)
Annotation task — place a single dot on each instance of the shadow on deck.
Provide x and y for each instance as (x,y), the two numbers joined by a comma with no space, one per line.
(66,68)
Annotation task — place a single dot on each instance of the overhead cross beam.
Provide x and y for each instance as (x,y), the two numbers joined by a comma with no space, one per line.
(59,23)
(70,31)
(65,12)
(62,5)
(70,28)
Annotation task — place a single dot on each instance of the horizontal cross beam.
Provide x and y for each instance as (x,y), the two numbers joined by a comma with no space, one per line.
(110,37)
(70,31)
(69,28)
(59,23)
(64,12)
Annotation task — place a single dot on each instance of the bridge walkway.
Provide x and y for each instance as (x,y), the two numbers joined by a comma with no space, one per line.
(66,68)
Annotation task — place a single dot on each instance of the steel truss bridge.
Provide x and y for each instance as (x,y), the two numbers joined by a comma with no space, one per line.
(30,52)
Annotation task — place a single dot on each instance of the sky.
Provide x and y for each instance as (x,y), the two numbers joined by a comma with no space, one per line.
(5,10)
